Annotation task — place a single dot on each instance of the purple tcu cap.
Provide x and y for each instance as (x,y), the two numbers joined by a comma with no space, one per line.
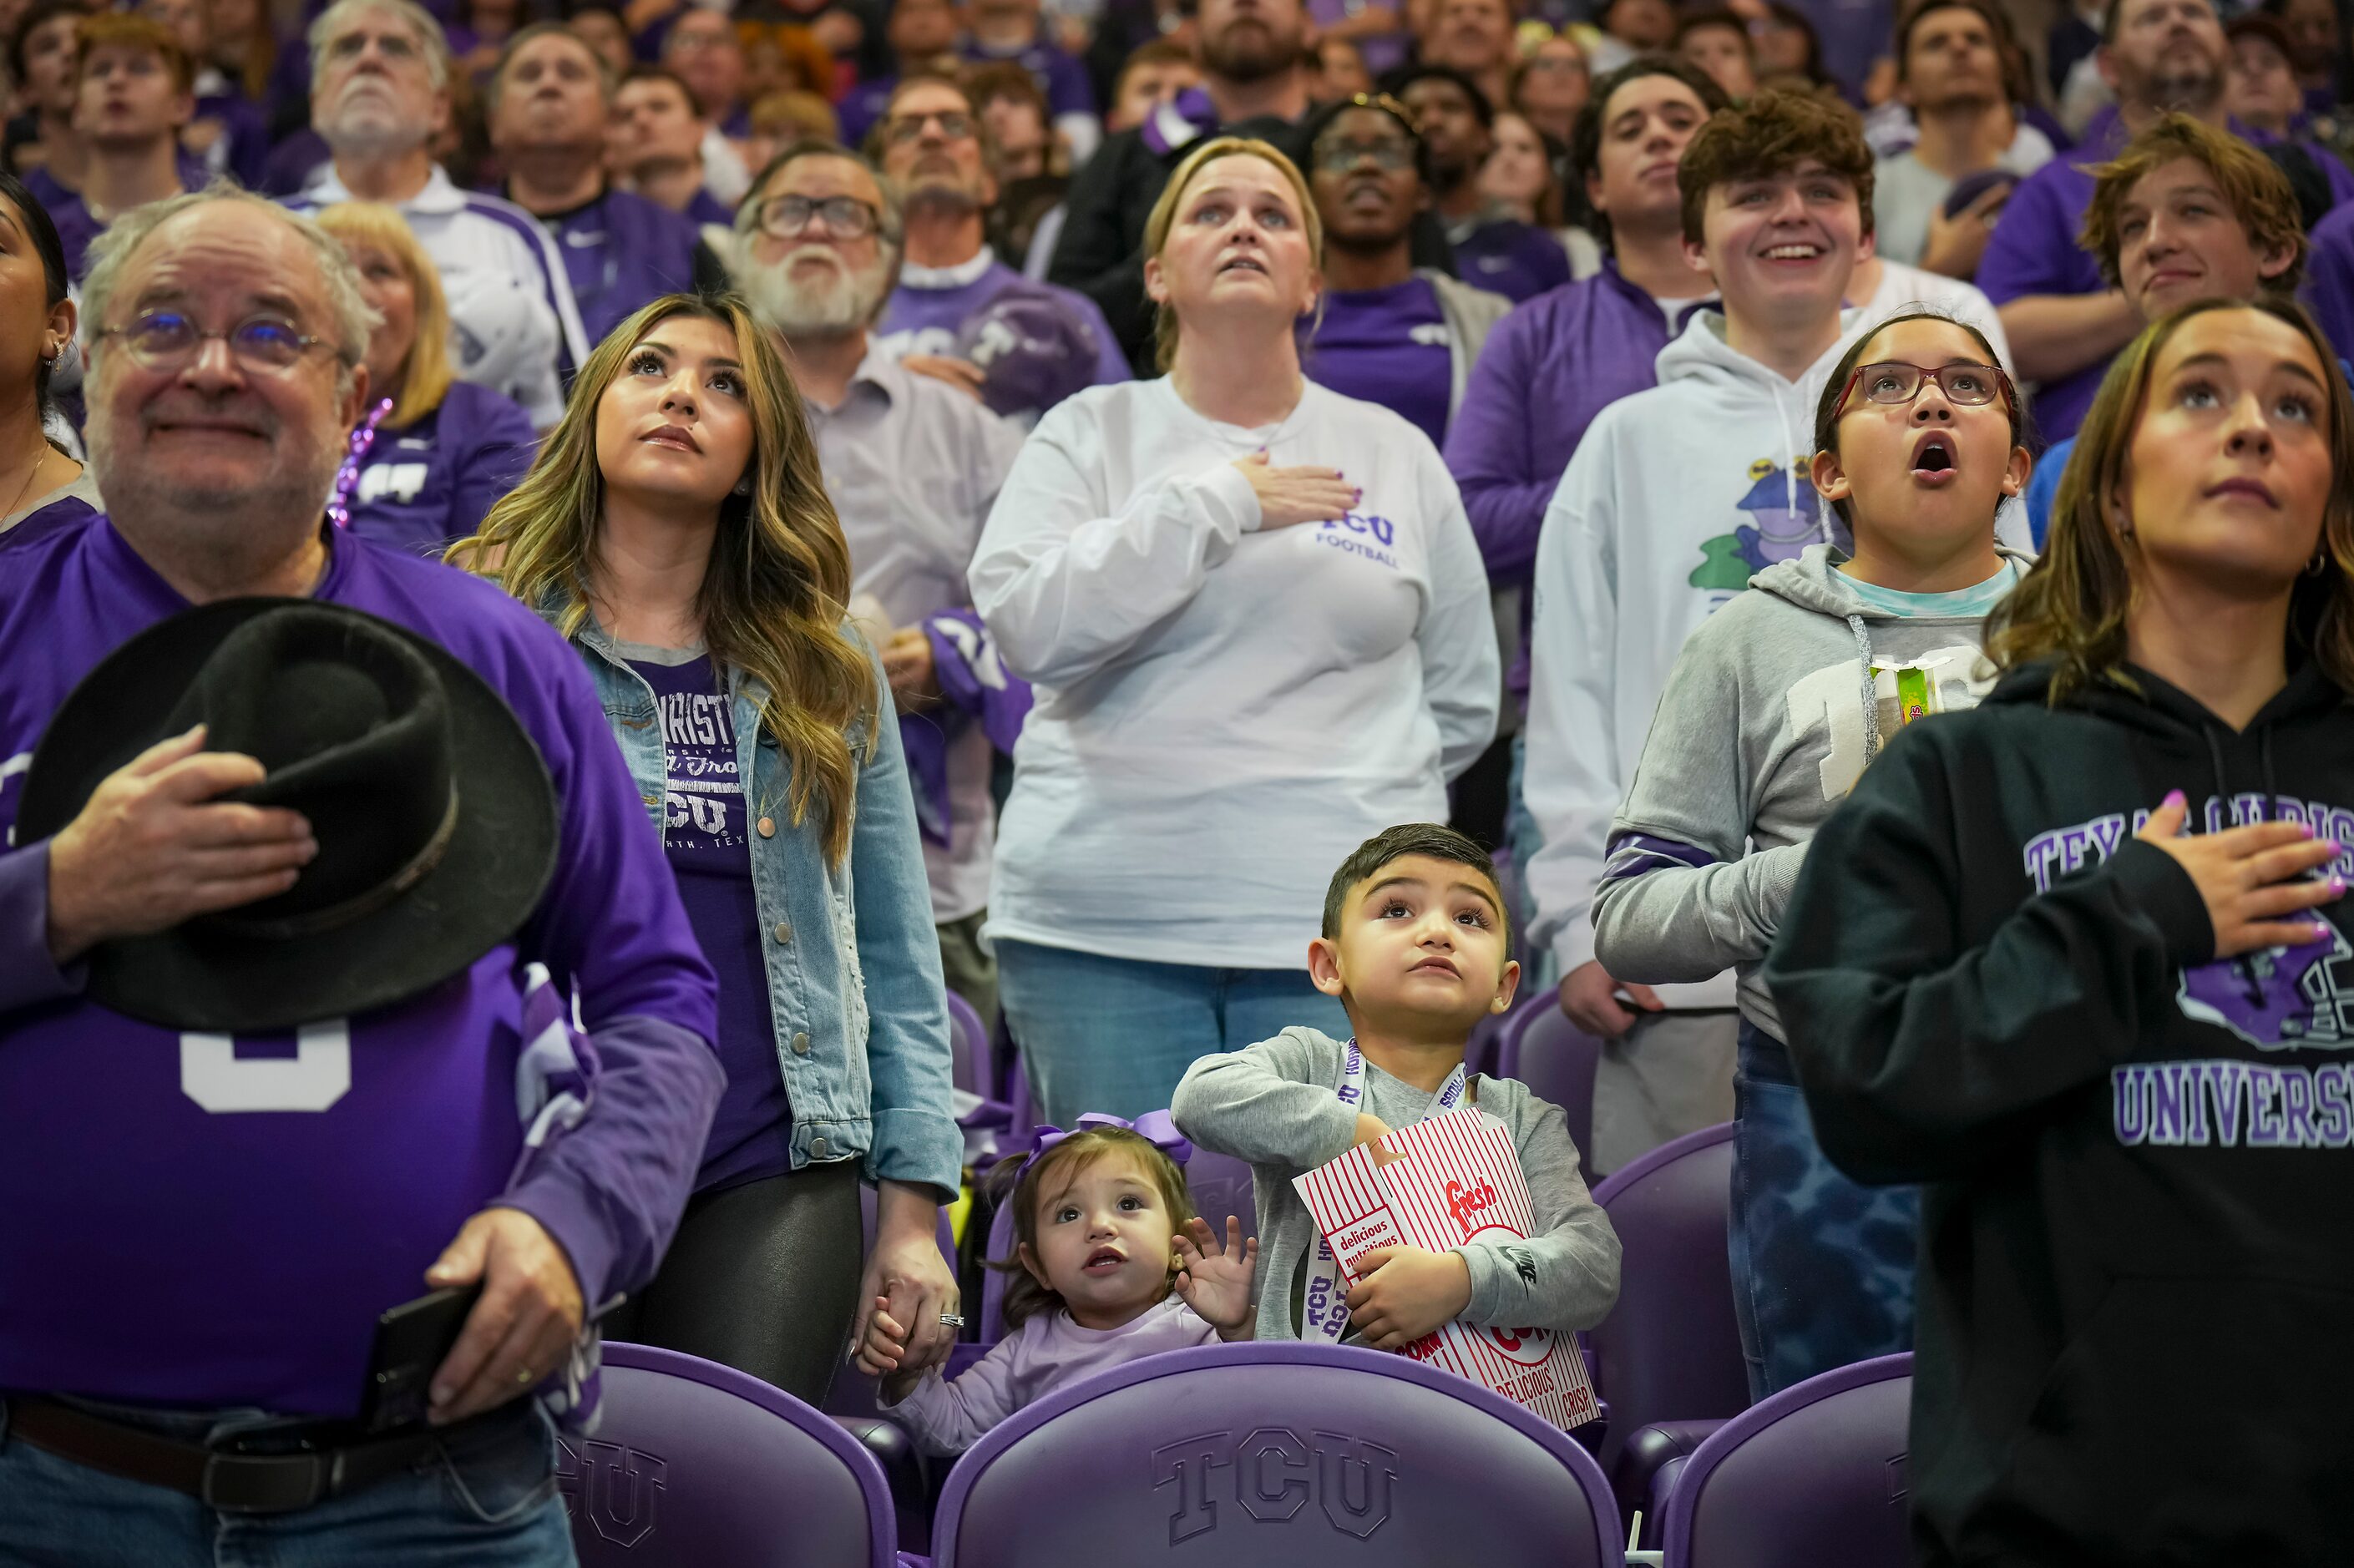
(1032,349)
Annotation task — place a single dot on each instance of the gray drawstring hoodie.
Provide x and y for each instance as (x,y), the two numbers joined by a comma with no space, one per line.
(1773,709)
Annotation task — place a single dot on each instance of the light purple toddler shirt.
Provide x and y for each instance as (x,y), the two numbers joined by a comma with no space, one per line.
(1048,1352)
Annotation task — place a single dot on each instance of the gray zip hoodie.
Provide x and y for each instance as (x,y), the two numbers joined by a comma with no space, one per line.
(1764,728)
(1275,1105)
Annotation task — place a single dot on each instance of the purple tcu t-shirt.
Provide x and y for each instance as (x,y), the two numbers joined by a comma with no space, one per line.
(1387,346)
(707,836)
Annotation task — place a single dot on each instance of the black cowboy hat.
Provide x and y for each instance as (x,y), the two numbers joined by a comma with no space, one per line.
(434,817)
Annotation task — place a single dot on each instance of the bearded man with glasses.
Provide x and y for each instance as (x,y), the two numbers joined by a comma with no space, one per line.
(913,465)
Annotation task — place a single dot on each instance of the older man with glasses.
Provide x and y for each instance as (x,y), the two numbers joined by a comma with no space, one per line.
(957,312)
(379,94)
(913,465)
(218,1185)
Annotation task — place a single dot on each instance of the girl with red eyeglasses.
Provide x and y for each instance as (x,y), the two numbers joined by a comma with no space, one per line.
(1775,708)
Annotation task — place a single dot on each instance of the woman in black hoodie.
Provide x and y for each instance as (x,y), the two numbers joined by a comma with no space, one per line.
(2118,1055)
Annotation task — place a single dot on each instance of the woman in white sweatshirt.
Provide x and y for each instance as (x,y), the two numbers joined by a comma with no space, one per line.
(1257,626)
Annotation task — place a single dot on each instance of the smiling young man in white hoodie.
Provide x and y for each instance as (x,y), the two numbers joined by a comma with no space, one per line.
(1674,498)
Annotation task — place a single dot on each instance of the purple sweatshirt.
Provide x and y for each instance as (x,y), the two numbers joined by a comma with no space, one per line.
(622,251)
(76,227)
(1507,257)
(432,483)
(2329,279)
(160,1252)
(1547,369)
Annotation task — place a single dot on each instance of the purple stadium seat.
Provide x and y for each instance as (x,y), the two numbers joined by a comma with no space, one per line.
(1267,1455)
(992,1286)
(1658,1452)
(1483,1051)
(983,1115)
(1221,1185)
(1671,1349)
(1542,1048)
(969,1042)
(704,1467)
(1814,1475)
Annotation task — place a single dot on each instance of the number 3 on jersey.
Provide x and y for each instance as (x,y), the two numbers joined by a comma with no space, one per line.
(314,1077)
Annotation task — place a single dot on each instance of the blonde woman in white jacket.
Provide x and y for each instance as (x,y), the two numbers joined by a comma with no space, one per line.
(1257,626)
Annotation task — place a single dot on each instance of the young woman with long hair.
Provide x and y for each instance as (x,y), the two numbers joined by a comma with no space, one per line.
(676,529)
(2078,961)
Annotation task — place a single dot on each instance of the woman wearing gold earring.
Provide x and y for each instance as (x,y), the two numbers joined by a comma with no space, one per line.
(41,486)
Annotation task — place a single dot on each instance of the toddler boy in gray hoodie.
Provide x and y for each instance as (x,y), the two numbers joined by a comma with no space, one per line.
(1414,945)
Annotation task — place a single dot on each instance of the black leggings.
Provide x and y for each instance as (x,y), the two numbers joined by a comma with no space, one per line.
(762,1277)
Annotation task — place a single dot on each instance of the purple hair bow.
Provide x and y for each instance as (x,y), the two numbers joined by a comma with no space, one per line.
(1156,1128)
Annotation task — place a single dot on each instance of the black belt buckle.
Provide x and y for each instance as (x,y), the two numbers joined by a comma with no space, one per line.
(267,1483)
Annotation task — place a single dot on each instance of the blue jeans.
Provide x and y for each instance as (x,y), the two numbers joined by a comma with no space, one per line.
(1115,1034)
(485,1497)
(1822,1267)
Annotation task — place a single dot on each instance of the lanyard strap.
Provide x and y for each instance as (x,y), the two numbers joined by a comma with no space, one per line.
(1324,1312)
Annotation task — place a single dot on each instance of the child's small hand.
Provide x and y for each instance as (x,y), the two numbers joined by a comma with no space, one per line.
(885,1343)
(1403,1293)
(1215,1281)
(1371,1128)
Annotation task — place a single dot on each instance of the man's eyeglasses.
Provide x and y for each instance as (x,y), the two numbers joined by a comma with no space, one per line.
(392,45)
(1335,157)
(901,129)
(1338,157)
(788,217)
(1895,382)
(166,340)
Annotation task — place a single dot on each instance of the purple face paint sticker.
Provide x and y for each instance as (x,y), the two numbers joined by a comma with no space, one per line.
(2279,998)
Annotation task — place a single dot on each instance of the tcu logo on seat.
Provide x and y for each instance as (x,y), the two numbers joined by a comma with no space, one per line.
(613,1488)
(1463,1201)
(1275,1471)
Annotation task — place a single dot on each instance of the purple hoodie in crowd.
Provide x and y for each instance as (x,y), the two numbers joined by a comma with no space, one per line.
(1547,370)
(163,1251)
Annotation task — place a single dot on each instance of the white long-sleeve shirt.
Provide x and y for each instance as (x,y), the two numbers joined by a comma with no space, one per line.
(1224,710)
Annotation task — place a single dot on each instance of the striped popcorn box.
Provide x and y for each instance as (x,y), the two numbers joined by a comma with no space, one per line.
(1436,1185)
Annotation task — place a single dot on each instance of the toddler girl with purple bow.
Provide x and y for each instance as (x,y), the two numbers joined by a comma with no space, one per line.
(1110,1264)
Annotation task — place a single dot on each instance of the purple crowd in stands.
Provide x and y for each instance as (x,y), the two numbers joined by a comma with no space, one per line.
(1104,591)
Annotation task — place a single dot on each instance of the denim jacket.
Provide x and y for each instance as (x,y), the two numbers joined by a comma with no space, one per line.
(854,988)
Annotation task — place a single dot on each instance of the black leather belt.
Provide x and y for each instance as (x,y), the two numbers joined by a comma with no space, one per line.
(224,1480)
